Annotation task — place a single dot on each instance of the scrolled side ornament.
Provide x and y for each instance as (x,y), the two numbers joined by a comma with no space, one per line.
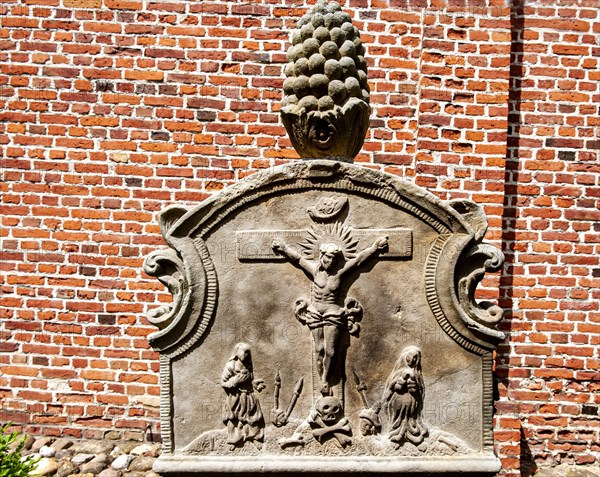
(476,261)
(170,271)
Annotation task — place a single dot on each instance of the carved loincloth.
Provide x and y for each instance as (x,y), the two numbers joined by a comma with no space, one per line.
(346,316)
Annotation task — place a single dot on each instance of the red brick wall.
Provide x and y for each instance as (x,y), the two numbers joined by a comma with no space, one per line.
(111,110)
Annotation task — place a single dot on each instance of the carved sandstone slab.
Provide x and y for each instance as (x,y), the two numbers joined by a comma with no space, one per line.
(323,320)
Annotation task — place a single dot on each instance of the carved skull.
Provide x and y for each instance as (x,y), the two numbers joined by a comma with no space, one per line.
(329,409)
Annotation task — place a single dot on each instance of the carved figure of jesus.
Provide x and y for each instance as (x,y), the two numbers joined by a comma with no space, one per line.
(327,313)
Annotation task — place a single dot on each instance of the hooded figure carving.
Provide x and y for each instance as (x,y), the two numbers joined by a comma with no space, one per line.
(403,399)
(241,409)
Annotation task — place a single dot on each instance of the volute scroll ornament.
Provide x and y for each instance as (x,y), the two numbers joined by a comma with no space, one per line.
(168,268)
(475,263)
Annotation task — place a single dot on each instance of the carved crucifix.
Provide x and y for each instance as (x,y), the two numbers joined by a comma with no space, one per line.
(327,253)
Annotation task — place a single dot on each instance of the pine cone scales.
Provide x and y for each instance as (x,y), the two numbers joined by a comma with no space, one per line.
(325,106)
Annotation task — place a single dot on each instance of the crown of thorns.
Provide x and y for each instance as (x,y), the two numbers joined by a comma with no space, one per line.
(330,247)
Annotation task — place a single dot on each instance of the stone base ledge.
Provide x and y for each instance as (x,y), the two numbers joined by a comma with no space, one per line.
(185,465)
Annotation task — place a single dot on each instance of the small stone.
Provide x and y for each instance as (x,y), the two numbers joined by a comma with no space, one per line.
(289,69)
(326,103)
(146,449)
(348,30)
(362,78)
(301,67)
(330,21)
(94,447)
(288,85)
(353,87)
(347,49)
(330,50)
(29,441)
(125,447)
(337,36)
(122,461)
(289,100)
(333,7)
(110,473)
(322,34)
(47,451)
(318,20)
(307,31)
(151,474)
(310,47)
(62,444)
(46,466)
(301,86)
(141,464)
(294,52)
(316,64)
(361,63)
(348,67)
(333,70)
(116,435)
(66,468)
(318,85)
(101,459)
(93,467)
(309,103)
(41,442)
(63,455)
(340,18)
(337,91)
(80,459)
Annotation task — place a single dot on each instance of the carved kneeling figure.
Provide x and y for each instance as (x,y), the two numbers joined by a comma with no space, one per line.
(403,399)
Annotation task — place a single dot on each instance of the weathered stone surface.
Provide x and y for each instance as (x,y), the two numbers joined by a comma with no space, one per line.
(141,464)
(146,449)
(82,458)
(62,444)
(566,470)
(66,468)
(110,472)
(41,442)
(29,441)
(122,462)
(325,108)
(113,435)
(46,451)
(124,447)
(96,465)
(93,447)
(46,466)
(324,312)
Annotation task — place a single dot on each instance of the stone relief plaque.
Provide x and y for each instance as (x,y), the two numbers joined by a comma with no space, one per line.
(323,315)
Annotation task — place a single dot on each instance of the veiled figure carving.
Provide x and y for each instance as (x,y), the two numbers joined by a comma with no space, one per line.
(241,410)
(403,399)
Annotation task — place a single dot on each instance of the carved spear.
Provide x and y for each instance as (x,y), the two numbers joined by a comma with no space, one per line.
(297,391)
(362,389)
(277,388)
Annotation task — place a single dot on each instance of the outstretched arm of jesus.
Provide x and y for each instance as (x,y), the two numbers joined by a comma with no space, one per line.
(279,246)
(379,245)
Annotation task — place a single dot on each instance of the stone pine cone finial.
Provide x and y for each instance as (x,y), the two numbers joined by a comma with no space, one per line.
(326,96)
